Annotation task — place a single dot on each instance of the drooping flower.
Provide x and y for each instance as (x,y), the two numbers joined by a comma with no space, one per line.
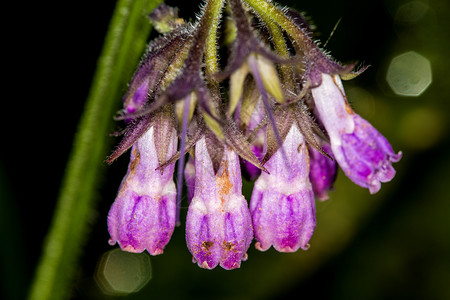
(282,203)
(364,155)
(218,225)
(143,215)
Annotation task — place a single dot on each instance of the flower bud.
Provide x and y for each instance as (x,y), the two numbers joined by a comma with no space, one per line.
(362,152)
(137,99)
(282,204)
(322,171)
(143,214)
(189,177)
(250,171)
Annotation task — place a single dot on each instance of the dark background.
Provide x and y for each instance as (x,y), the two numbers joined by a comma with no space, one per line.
(395,244)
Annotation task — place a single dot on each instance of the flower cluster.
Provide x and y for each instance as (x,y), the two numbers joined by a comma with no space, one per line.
(277,111)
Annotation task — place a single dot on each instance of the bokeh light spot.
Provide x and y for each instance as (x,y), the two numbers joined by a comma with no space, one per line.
(409,74)
(122,273)
(411,12)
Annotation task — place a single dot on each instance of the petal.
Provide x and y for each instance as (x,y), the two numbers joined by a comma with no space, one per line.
(200,235)
(138,222)
(238,233)
(366,156)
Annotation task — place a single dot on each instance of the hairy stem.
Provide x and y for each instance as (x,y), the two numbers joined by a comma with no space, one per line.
(269,11)
(211,56)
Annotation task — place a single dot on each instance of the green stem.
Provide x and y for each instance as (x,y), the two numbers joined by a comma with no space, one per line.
(268,10)
(123,46)
(215,9)
(281,48)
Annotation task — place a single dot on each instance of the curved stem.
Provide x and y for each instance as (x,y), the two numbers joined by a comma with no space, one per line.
(281,48)
(125,41)
(211,57)
(268,10)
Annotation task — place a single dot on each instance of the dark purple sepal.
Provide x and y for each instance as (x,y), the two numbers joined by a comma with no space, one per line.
(299,20)
(153,67)
(195,132)
(238,142)
(283,120)
(318,63)
(131,134)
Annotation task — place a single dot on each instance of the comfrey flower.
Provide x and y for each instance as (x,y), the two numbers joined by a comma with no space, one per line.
(218,225)
(143,215)
(282,204)
(286,122)
(362,152)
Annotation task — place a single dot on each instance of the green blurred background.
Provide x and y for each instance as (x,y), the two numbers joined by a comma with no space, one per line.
(395,244)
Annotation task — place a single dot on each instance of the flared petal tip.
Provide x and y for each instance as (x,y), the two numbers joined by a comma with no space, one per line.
(157,251)
(131,249)
(396,157)
(286,249)
(205,265)
(260,247)
(232,266)
(306,247)
(322,196)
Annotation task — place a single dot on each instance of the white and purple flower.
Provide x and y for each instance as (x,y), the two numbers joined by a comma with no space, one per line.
(282,204)
(218,225)
(143,214)
(364,155)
